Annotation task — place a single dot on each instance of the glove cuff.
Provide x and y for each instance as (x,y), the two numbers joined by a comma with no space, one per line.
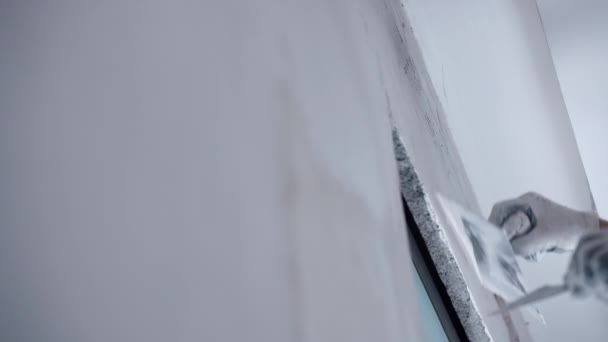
(586,222)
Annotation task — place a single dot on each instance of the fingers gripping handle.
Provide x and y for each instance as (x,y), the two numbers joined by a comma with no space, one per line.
(519,222)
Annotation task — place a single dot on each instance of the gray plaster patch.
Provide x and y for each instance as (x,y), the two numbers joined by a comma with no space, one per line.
(449,271)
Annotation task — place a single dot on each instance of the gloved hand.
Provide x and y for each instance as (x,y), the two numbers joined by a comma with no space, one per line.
(535,225)
(588,270)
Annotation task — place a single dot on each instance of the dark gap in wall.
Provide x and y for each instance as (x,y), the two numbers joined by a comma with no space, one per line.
(435,288)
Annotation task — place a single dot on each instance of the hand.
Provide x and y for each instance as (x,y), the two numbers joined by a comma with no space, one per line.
(535,225)
(588,270)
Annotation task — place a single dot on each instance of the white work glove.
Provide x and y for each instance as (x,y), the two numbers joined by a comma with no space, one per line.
(588,270)
(535,225)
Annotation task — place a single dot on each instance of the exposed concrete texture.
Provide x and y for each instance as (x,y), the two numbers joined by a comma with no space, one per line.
(434,236)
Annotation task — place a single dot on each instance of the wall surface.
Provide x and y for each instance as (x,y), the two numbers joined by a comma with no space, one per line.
(200,171)
(576,32)
(491,65)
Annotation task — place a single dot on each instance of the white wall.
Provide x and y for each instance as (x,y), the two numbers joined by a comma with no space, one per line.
(200,171)
(491,66)
(576,31)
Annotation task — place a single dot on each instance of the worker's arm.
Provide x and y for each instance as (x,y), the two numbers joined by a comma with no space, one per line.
(536,225)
